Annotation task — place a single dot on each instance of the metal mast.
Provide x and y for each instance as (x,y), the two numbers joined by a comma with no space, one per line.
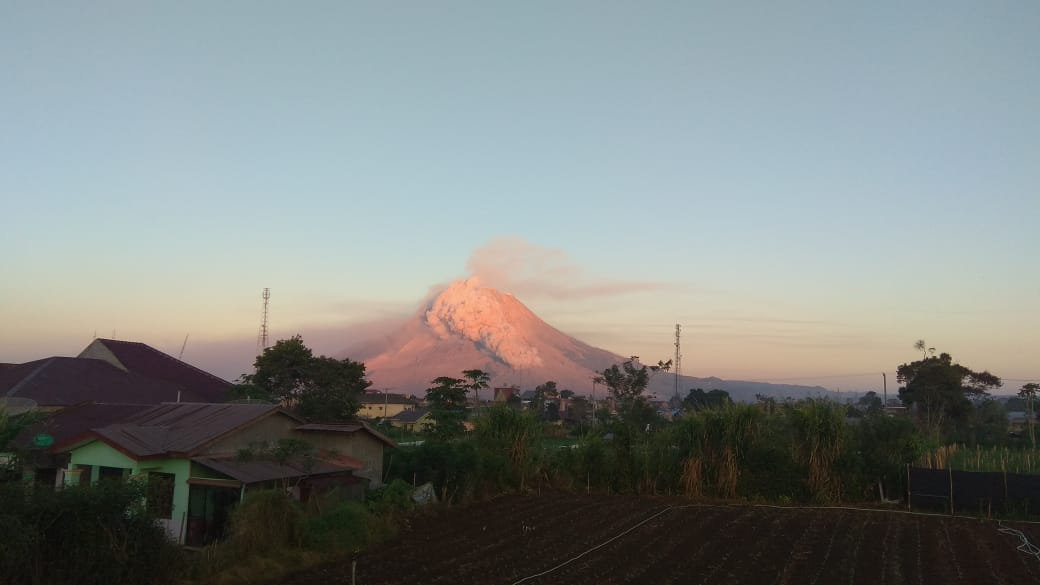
(261,338)
(678,360)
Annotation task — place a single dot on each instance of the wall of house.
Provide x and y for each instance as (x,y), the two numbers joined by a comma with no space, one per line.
(266,430)
(376,410)
(97,454)
(359,445)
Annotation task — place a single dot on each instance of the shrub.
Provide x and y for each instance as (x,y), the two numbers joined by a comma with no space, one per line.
(83,535)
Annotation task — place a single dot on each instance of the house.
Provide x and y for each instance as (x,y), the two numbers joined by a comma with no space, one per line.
(384,404)
(35,444)
(200,459)
(416,420)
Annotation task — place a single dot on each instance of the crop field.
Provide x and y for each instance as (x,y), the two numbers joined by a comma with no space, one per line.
(667,540)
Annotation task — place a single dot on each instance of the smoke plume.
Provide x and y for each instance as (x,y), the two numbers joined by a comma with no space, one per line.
(529,271)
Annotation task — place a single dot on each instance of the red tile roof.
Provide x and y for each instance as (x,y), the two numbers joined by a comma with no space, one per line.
(63,381)
(144,359)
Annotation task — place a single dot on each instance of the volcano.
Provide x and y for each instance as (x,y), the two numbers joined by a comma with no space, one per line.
(470,326)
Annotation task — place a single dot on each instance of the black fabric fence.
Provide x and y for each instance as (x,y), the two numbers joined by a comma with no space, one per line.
(974,492)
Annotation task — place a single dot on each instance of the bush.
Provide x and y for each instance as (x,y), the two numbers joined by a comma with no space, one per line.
(343,527)
(83,535)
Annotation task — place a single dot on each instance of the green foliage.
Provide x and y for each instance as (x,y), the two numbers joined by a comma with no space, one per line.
(629,381)
(509,433)
(344,526)
(92,534)
(818,438)
(447,400)
(698,399)
(391,499)
(317,387)
(942,390)
(869,403)
(477,380)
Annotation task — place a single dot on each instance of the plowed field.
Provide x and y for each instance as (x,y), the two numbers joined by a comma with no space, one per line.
(664,540)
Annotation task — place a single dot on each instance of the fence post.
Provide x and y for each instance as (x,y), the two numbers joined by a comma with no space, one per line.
(908,492)
(950,469)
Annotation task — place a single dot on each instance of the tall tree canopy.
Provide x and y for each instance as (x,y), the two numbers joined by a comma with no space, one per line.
(447,398)
(698,399)
(316,387)
(942,390)
(629,381)
(477,380)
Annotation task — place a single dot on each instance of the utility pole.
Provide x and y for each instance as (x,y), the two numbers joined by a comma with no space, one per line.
(884,381)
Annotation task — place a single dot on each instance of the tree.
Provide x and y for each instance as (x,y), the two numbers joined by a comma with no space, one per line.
(628,382)
(447,398)
(1029,392)
(566,394)
(698,399)
(869,403)
(942,390)
(545,394)
(317,388)
(478,380)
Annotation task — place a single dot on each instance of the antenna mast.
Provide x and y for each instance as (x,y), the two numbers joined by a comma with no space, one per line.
(261,338)
(183,345)
(678,360)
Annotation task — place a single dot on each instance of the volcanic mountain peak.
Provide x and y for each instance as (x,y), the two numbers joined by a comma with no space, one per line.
(487,317)
(471,326)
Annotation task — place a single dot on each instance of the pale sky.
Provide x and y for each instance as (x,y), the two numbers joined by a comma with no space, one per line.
(807,188)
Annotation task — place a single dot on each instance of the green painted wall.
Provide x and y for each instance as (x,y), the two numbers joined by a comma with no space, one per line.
(98,454)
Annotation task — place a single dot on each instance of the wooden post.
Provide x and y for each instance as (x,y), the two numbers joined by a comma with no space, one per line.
(908,492)
(353,572)
(950,470)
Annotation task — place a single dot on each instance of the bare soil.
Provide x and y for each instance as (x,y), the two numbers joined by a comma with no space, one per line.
(508,539)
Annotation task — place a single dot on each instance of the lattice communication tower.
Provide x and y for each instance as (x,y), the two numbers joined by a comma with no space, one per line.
(261,338)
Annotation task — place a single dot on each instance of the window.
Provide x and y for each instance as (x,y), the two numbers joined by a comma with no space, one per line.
(160,494)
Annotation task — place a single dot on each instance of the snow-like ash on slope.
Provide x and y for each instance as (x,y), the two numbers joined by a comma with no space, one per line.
(467,310)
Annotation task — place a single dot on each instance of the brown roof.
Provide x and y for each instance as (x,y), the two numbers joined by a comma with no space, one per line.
(75,420)
(380,398)
(145,359)
(408,416)
(178,429)
(63,381)
(256,471)
(346,428)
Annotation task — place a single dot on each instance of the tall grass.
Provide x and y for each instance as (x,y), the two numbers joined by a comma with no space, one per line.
(962,458)
(818,436)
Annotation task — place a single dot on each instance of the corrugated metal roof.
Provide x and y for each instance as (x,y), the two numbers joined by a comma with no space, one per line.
(333,428)
(346,428)
(257,471)
(182,427)
(75,420)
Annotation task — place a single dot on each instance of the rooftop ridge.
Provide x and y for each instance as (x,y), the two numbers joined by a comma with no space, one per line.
(164,355)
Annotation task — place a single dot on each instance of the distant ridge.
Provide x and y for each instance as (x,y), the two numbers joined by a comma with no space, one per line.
(470,326)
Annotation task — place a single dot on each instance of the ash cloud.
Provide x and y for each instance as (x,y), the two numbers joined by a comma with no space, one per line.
(528,270)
